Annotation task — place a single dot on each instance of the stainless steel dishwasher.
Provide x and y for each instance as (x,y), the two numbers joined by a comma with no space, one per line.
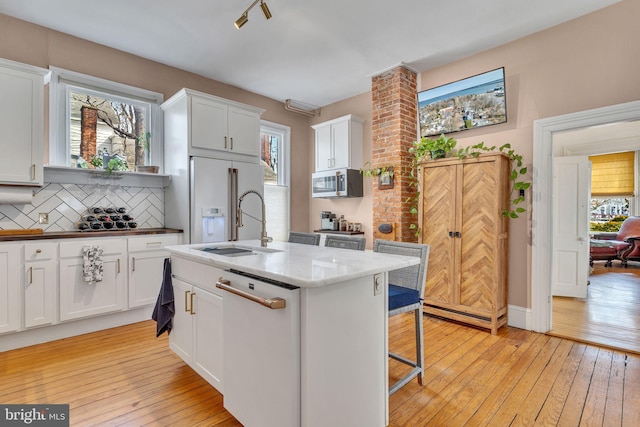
(261,350)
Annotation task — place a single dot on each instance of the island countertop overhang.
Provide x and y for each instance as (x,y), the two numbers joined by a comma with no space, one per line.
(305,266)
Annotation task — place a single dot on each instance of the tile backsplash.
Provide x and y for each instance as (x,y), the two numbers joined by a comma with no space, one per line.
(65,203)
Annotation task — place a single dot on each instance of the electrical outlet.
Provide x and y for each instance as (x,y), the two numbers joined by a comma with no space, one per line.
(43,218)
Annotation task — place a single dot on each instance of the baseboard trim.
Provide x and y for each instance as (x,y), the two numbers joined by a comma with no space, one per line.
(519,317)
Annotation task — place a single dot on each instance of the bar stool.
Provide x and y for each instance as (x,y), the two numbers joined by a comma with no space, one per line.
(304,238)
(334,241)
(406,293)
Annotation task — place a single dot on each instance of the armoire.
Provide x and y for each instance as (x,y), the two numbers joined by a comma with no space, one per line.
(460,205)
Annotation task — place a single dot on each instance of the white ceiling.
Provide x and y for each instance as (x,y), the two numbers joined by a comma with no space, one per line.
(314,52)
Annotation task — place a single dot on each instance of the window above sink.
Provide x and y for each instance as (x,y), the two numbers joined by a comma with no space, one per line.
(99,124)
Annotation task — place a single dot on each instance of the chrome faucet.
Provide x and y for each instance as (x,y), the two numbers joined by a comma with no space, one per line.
(263,235)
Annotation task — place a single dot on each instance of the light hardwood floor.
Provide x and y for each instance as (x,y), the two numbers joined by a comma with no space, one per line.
(127,377)
(609,316)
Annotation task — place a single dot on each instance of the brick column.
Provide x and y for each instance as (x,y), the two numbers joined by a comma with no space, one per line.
(394,125)
(88,132)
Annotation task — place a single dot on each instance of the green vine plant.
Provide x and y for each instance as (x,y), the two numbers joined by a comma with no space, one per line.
(369,172)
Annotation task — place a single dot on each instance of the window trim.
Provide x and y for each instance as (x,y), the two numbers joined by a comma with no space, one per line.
(284,150)
(63,80)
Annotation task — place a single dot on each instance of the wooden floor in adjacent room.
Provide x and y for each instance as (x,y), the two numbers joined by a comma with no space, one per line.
(127,377)
(609,316)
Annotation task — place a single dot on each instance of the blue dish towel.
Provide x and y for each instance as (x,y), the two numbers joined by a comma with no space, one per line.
(164,310)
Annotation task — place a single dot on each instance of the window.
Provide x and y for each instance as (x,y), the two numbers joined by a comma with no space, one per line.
(97,123)
(274,153)
(612,189)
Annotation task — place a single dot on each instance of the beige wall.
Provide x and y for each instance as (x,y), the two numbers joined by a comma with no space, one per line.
(31,44)
(590,62)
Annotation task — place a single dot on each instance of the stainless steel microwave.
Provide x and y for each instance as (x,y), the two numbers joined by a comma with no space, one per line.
(337,183)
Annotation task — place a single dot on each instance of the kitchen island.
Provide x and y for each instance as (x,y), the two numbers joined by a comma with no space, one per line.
(290,334)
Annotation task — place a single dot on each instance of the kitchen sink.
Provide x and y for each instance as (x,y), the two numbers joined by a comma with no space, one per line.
(234,251)
(228,251)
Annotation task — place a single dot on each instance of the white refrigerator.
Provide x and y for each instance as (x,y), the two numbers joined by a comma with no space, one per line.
(203,200)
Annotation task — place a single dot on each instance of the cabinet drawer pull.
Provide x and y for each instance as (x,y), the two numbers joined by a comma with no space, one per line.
(149,244)
(133,263)
(191,308)
(272,303)
(38,251)
(186,301)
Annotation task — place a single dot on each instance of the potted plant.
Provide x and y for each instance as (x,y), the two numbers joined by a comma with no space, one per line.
(429,148)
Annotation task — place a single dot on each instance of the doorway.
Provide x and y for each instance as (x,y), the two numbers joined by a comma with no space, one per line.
(546,147)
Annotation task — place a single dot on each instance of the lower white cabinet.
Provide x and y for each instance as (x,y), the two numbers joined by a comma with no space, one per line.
(197,325)
(10,274)
(146,265)
(80,298)
(40,283)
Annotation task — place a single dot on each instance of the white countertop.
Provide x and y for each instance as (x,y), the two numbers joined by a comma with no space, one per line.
(296,264)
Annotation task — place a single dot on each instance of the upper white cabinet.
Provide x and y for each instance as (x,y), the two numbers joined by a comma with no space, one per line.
(10,287)
(22,123)
(211,125)
(339,143)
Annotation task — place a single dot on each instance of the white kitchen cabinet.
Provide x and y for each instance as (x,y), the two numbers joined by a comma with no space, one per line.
(10,275)
(339,143)
(40,283)
(211,124)
(197,325)
(79,298)
(146,265)
(22,123)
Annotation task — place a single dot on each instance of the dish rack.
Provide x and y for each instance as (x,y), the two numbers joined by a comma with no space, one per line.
(106,219)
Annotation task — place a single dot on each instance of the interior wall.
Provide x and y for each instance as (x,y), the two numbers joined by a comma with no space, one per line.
(32,44)
(358,209)
(589,62)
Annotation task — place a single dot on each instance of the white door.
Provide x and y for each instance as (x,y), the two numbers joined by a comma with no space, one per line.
(570,226)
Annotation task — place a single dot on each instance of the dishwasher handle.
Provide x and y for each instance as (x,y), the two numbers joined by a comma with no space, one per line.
(272,303)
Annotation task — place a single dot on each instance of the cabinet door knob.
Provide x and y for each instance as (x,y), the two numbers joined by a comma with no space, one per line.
(38,251)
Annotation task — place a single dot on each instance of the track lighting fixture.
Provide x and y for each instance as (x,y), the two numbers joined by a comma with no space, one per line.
(244,18)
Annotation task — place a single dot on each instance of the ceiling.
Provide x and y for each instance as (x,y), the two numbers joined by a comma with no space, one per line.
(313,52)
